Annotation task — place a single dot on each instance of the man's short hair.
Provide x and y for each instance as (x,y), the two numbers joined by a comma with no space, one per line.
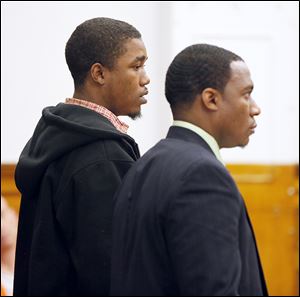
(99,40)
(196,68)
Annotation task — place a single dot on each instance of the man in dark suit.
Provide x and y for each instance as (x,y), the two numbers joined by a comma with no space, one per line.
(180,225)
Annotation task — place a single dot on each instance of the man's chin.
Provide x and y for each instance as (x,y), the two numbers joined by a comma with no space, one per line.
(135,116)
(243,145)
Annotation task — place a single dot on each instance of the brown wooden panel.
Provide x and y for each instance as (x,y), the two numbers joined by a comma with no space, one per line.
(8,186)
(272,198)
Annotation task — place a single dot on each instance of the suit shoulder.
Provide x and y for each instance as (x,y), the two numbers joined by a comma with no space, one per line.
(190,154)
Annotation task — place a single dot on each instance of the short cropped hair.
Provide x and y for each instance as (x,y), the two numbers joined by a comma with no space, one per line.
(196,68)
(99,40)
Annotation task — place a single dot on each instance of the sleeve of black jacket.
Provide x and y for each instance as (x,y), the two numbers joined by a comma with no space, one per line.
(202,234)
(84,216)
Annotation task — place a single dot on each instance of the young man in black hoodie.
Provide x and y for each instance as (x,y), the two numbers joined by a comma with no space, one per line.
(71,167)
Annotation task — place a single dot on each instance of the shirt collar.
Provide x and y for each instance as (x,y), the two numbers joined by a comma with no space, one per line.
(212,143)
(119,125)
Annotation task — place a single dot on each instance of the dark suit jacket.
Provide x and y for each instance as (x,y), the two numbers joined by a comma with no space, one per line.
(180,226)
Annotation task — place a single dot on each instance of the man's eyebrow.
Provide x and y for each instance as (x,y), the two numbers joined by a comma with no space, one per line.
(140,59)
(249,88)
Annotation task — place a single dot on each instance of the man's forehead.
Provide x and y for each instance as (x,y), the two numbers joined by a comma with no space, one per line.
(240,73)
(135,50)
(238,69)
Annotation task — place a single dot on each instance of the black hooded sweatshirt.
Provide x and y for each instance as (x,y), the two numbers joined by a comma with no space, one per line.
(68,174)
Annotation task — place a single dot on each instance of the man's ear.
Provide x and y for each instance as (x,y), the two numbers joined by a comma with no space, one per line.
(211,99)
(98,73)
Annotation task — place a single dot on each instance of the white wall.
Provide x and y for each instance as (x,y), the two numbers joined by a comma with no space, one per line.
(35,74)
(266,36)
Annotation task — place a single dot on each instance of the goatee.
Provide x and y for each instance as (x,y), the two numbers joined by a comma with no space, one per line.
(135,116)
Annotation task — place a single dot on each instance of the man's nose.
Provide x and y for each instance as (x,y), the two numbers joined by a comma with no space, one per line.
(145,80)
(255,109)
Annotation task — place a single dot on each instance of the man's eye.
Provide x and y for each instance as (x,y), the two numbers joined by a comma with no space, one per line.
(247,95)
(137,67)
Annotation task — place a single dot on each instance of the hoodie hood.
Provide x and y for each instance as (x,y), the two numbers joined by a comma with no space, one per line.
(61,129)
